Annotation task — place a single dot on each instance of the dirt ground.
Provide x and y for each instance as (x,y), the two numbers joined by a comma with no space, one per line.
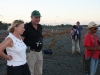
(61,61)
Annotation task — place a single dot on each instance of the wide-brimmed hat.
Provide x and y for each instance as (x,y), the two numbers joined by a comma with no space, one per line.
(92,24)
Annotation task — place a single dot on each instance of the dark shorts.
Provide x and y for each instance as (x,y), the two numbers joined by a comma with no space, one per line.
(18,70)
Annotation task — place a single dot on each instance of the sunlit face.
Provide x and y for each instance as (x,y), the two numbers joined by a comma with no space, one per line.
(20,29)
(93,29)
(35,20)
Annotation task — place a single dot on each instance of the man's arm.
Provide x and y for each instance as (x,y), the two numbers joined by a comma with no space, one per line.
(91,48)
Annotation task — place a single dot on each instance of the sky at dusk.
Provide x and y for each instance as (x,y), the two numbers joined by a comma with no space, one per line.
(53,12)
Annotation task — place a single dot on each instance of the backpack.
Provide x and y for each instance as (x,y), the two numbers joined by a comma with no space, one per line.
(75,36)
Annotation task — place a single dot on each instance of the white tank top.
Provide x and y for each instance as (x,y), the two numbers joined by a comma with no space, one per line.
(18,51)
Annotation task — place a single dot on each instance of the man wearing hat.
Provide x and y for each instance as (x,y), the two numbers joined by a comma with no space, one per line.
(92,48)
(33,39)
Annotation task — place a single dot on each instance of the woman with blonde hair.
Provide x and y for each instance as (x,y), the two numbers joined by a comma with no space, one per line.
(16,50)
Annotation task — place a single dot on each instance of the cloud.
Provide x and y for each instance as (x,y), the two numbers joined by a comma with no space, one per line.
(69,20)
(57,16)
(1,16)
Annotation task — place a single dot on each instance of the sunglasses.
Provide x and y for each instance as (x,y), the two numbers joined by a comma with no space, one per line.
(95,28)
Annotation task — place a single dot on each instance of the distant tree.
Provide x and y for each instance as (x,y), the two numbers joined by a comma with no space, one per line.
(4,26)
(62,25)
(0,22)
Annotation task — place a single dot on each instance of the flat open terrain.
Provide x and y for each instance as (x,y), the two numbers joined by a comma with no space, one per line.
(61,62)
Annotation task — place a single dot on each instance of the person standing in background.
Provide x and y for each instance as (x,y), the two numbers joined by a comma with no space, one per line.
(79,28)
(75,39)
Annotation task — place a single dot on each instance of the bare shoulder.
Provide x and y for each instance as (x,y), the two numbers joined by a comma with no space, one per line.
(7,41)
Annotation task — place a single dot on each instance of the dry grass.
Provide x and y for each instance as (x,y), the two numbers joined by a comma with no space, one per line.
(55,32)
(52,43)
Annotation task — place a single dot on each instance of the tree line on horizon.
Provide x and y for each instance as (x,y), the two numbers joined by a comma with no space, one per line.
(4,26)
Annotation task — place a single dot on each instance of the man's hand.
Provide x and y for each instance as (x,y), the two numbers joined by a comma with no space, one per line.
(97,48)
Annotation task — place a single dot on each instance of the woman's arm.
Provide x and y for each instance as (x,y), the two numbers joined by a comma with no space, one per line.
(71,32)
(6,43)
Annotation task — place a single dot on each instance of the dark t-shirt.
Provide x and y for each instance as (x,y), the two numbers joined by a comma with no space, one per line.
(33,37)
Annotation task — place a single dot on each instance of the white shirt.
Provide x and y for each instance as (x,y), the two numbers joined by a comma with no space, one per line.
(18,51)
